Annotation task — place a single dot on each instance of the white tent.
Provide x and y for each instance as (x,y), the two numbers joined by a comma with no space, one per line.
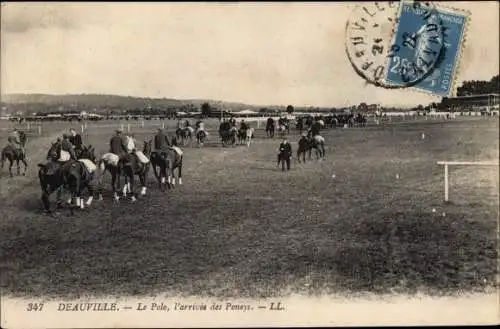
(246,112)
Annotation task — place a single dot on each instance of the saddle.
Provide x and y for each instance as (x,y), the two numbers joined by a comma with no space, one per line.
(91,167)
(64,156)
(177,150)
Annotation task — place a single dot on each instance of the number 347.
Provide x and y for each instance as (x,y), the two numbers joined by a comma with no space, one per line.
(34,307)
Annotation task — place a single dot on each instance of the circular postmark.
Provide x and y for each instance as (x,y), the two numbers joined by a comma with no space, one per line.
(394,44)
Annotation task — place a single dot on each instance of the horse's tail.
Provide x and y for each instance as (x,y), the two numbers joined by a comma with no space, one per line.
(3,157)
(101,164)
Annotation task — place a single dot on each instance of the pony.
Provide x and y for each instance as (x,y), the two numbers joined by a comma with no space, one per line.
(228,137)
(201,136)
(282,130)
(307,144)
(130,165)
(15,154)
(360,120)
(270,126)
(242,135)
(166,162)
(249,136)
(318,143)
(185,134)
(71,174)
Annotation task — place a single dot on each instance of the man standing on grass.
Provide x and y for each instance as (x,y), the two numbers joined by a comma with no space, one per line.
(285,153)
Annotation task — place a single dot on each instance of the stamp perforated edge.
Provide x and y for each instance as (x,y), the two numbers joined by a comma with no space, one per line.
(458,59)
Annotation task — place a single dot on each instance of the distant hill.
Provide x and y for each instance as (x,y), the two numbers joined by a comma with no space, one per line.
(30,102)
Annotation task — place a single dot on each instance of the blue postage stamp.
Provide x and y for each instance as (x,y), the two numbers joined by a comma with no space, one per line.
(433,55)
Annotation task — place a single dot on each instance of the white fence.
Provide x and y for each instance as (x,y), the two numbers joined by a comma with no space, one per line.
(446,164)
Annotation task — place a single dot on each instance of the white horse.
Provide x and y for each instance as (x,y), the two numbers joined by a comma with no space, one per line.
(282,131)
(249,136)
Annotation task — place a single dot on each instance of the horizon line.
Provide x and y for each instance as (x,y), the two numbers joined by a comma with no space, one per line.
(203,99)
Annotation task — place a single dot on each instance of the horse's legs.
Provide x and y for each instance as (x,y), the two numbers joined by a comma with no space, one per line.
(18,166)
(169,173)
(179,172)
(131,186)
(144,178)
(162,176)
(25,165)
(11,163)
(115,184)
(45,201)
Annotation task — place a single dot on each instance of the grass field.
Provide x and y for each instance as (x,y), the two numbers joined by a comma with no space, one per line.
(240,227)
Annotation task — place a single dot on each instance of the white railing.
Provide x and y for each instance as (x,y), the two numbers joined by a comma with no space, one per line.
(446,164)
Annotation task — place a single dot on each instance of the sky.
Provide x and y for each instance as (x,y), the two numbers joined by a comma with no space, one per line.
(256,53)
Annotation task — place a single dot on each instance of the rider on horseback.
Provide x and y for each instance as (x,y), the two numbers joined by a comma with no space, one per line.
(118,145)
(161,142)
(75,139)
(67,146)
(14,140)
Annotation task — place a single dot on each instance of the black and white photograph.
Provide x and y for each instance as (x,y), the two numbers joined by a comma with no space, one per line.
(249,164)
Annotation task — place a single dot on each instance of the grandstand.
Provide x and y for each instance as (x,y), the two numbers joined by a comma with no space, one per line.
(474,103)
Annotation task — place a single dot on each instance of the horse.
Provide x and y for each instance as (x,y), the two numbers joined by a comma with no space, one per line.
(167,162)
(249,136)
(270,126)
(72,174)
(360,120)
(185,134)
(228,137)
(110,162)
(201,136)
(242,135)
(282,130)
(305,145)
(131,166)
(14,154)
(318,143)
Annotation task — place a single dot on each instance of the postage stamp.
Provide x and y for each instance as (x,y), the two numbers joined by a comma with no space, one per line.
(370,42)
(429,59)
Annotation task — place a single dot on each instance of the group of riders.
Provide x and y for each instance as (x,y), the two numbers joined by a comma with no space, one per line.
(69,151)
(186,131)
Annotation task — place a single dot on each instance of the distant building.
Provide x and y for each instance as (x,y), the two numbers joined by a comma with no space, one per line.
(486,102)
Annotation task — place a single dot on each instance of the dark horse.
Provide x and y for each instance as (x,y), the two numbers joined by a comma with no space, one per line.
(167,162)
(131,166)
(307,144)
(15,154)
(72,174)
(228,134)
(270,126)
(201,136)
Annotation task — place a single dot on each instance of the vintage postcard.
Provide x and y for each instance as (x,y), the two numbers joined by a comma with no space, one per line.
(249,164)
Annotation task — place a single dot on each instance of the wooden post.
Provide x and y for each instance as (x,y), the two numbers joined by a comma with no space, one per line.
(446,192)
(121,127)
(39,129)
(163,125)
(142,123)
(83,129)
(128,127)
